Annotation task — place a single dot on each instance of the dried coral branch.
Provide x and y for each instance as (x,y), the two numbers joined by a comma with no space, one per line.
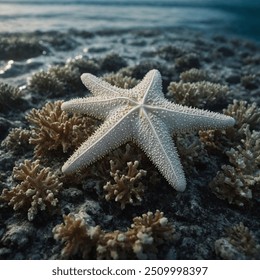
(127,188)
(243,112)
(155,223)
(37,191)
(150,230)
(246,156)
(114,245)
(140,241)
(53,129)
(79,238)
(198,94)
(246,115)
(240,183)
(231,185)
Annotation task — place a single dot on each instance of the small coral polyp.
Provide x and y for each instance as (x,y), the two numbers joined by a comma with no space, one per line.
(37,191)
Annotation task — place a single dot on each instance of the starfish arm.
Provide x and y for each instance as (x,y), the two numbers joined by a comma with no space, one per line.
(184,119)
(100,87)
(99,106)
(111,134)
(154,138)
(150,86)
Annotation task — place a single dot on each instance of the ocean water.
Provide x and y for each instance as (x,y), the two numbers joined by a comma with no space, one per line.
(236,17)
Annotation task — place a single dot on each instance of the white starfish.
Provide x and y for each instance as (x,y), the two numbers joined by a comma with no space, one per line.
(142,115)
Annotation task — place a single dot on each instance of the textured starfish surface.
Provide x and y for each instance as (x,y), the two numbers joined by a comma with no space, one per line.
(142,115)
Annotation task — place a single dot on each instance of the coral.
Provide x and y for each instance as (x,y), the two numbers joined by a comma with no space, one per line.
(57,81)
(239,244)
(18,48)
(138,71)
(18,235)
(114,245)
(79,238)
(240,182)
(140,241)
(231,185)
(125,154)
(113,62)
(221,140)
(127,188)
(246,157)
(83,65)
(37,191)
(16,139)
(243,112)
(195,75)
(187,61)
(120,157)
(54,129)
(120,80)
(190,149)
(246,115)
(170,52)
(151,231)
(250,82)
(9,96)
(199,94)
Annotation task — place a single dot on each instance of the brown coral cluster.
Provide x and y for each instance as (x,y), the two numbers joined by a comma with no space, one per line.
(196,94)
(38,189)
(16,138)
(127,188)
(141,241)
(190,150)
(239,244)
(243,113)
(120,80)
(9,96)
(56,81)
(54,129)
(79,237)
(239,181)
(195,75)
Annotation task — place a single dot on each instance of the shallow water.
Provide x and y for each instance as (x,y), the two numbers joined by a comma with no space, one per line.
(237,17)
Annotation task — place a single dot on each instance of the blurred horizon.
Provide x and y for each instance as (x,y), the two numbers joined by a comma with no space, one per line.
(237,17)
